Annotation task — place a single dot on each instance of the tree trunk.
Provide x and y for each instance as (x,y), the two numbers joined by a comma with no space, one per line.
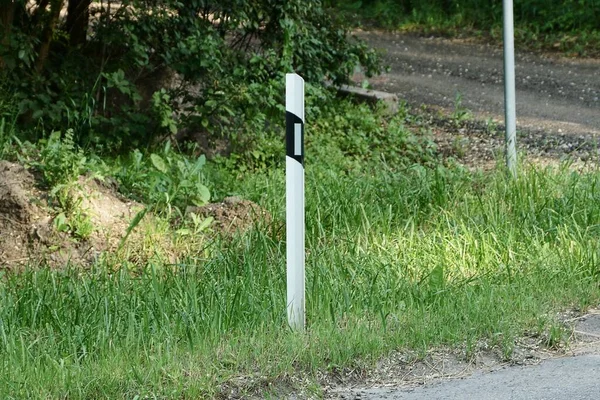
(78,19)
(7,14)
(46,40)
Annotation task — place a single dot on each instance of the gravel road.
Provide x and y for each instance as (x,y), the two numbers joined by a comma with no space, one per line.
(558,99)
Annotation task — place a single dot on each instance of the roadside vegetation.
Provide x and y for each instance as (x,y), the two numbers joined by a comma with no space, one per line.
(406,250)
(569,27)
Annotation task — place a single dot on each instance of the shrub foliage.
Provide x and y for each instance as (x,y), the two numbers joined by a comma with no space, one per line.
(129,72)
(543,16)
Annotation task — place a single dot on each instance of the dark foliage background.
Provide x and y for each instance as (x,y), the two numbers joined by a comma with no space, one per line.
(538,15)
(130,73)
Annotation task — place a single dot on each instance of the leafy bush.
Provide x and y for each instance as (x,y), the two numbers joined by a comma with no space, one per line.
(341,135)
(143,70)
(538,15)
(350,136)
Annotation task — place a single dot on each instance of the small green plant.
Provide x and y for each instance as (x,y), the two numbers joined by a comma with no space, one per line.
(491,126)
(8,121)
(165,179)
(459,146)
(77,224)
(67,199)
(198,225)
(556,336)
(60,161)
(6,137)
(163,110)
(460,113)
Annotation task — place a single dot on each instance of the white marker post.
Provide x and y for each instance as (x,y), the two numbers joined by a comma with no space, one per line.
(510,118)
(294,196)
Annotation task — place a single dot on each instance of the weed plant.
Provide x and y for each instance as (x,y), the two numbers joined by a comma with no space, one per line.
(8,121)
(402,253)
(165,179)
(6,137)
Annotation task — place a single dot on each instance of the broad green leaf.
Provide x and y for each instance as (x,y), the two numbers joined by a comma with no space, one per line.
(201,161)
(182,167)
(60,223)
(203,195)
(159,163)
(204,224)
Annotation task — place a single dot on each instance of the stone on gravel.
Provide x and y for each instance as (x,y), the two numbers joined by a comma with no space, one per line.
(390,100)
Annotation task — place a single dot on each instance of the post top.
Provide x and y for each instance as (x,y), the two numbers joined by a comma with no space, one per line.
(294,95)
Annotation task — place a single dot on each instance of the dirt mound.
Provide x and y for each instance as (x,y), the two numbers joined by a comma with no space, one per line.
(27,222)
(31,233)
(19,213)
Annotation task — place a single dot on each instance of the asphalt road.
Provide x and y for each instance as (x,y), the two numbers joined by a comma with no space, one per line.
(575,376)
(569,378)
(553,94)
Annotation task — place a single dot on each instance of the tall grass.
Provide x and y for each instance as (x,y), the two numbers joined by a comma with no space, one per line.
(408,259)
(402,253)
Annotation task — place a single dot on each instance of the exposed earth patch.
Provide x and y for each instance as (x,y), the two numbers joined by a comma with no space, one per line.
(32,232)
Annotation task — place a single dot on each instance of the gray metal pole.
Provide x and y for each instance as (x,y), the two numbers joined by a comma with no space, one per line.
(510,117)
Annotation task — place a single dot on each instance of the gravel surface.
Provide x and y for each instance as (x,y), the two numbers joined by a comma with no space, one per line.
(558,99)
